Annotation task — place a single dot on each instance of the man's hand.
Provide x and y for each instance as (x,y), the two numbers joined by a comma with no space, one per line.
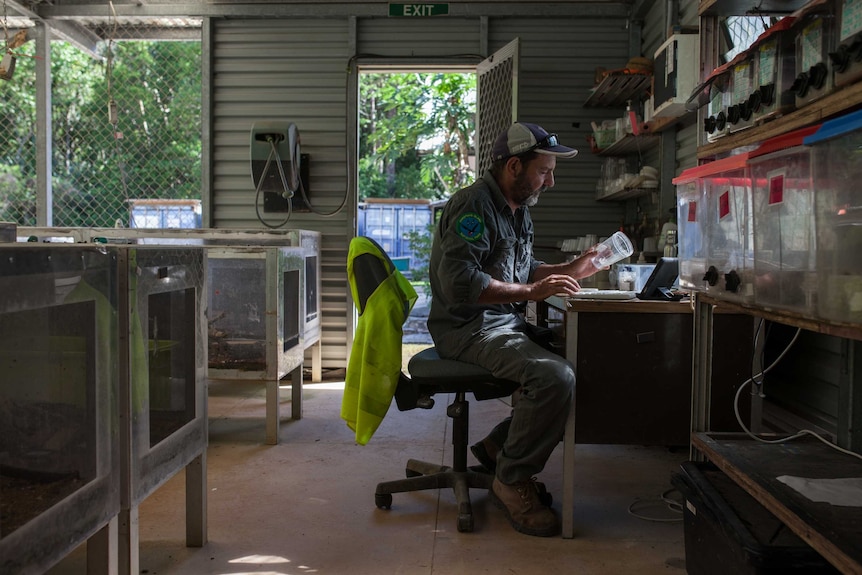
(582,266)
(554,284)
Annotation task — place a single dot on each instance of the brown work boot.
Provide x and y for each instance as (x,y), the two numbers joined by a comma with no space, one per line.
(520,501)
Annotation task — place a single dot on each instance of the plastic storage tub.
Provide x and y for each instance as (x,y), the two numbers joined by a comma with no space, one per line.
(714,222)
(782,198)
(836,175)
(740,114)
(775,72)
(691,226)
(814,32)
(845,60)
(720,85)
(728,531)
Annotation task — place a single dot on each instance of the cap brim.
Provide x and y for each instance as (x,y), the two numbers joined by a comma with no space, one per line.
(559,151)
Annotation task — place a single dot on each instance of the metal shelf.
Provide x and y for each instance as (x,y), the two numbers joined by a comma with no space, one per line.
(626,194)
(833,531)
(630,144)
(618,87)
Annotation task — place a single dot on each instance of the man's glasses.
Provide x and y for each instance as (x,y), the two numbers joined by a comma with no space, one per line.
(545,143)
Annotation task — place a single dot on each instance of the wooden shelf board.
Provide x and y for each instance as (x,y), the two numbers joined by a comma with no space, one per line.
(843,100)
(618,87)
(846,330)
(833,531)
(630,144)
(627,194)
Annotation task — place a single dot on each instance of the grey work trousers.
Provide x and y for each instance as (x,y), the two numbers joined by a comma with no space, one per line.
(547,388)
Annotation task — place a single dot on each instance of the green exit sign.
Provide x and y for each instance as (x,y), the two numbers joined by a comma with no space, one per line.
(419,10)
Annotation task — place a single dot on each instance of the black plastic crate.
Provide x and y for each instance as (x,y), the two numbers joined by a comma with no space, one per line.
(728,531)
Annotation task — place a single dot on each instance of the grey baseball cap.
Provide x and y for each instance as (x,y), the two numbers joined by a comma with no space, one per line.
(521,137)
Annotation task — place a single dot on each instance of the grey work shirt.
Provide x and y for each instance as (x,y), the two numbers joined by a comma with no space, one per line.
(477,238)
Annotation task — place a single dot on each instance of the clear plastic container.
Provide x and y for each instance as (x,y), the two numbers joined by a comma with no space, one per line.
(715,123)
(775,72)
(783,214)
(739,114)
(845,63)
(814,34)
(714,221)
(837,171)
(692,229)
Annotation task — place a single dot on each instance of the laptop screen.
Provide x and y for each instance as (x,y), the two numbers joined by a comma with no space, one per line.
(660,282)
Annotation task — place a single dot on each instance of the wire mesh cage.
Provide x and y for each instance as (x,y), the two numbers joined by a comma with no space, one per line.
(126,126)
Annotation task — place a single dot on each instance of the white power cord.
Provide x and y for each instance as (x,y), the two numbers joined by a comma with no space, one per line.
(798,434)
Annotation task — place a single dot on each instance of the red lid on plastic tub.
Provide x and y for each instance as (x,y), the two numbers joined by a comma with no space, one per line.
(784,141)
(735,162)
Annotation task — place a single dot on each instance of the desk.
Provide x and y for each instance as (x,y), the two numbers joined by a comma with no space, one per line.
(633,366)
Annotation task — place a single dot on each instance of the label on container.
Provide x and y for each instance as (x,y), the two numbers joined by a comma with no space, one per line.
(851,18)
(812,45)
(692,212)
(741,82)
(724,205)
(767,58)
(776,187)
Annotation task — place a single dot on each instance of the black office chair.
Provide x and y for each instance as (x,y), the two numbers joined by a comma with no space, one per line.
(428,376)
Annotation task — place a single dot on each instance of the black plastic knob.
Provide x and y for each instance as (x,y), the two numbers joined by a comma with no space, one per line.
(732,281)
(709,125)
(818,73)
(711,276)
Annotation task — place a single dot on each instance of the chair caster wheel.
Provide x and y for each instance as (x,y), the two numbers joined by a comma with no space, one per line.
(383,500)
(465,523)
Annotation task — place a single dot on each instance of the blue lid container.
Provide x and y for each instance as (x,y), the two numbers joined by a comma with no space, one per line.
(834,128)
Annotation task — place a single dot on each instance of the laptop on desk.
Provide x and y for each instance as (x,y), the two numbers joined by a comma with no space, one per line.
(659,286)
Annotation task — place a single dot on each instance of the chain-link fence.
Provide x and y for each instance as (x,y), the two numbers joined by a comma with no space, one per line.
(125,128)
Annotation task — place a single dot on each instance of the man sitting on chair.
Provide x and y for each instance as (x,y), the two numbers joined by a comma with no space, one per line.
(482,274)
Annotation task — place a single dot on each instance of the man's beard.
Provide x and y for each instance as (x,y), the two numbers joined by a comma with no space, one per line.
(526,196)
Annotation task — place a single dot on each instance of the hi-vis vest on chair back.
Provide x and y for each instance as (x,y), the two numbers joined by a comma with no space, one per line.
(384,299)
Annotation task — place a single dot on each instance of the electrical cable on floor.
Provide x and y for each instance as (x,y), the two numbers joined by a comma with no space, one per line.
(798,434)
(664,500)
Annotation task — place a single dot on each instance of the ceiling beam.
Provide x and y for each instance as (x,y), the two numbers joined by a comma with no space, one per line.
(170,8)
(69,31)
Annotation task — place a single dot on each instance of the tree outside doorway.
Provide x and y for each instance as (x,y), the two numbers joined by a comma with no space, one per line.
(416,143)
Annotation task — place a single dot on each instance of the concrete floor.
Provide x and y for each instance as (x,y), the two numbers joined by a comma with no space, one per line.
(307,504)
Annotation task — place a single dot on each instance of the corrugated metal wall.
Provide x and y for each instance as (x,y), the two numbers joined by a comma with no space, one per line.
(297,69)
(406,38)
(558,62)
(294,70)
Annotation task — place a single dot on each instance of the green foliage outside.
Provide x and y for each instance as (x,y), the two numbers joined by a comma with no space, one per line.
(399,115)
(155,154)
(415,143)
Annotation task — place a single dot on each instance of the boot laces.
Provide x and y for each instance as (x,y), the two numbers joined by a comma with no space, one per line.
(527,491)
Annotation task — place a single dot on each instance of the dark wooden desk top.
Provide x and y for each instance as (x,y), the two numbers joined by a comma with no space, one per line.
(619,306)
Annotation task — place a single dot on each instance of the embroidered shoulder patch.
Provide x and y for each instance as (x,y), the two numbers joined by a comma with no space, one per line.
(470,226)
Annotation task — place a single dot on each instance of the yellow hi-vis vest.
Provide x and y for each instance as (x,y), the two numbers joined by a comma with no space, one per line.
(375,358)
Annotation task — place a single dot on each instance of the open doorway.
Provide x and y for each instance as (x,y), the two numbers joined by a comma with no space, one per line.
(416,148)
